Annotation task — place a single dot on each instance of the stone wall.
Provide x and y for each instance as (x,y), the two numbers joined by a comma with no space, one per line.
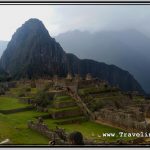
(64,104)
(60,93)
(81,104)
(123,119)
(5,86)
(89,83)
(42,129)
(71,121)
(66,113)
(58,135)
(26,100)
(47,116)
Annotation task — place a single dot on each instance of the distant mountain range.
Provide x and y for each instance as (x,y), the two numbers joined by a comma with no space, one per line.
(33,53)
(129,49)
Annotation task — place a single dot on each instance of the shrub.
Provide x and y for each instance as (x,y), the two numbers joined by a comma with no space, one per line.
(43,98)
(23,91)
(47,86)
(96,105)
(2,91)
(27,89)
(33,84)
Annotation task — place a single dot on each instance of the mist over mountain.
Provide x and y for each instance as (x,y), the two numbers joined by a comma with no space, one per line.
(128,49)
(3,45)
(33,53)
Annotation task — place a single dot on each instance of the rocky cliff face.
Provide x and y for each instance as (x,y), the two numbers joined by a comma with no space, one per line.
(4,76)
(33,53)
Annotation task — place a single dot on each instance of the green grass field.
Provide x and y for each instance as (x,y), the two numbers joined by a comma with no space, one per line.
(90,130)
(14,127)
(7,103)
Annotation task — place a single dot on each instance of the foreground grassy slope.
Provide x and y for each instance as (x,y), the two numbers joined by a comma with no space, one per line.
(7,103)
(14,127)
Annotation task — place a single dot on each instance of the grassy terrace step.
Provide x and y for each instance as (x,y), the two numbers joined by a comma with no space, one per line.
(63,109)
(65,112)
(64,104)
(63,101)
(68,120)
(7,103)
(63,98)
(94,90)
(17,110)
(109,98)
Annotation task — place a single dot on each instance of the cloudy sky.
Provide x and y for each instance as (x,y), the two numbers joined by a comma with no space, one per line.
(61,18)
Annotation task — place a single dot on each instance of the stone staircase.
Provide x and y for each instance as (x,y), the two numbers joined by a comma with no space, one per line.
(66,111)
(81,104)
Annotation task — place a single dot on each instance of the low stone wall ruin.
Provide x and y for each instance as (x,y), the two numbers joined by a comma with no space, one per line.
(26,100)
(58,135)
(64,104)
(66,113)
(41,128)
(123,119)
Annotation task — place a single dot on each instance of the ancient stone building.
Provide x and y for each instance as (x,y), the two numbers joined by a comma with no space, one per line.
(88,77)
(77,78)
(69,76)
(130,120)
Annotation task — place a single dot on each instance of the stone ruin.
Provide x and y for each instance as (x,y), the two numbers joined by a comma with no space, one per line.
(77,81)
(77,78)
(26,100)
(88,77)
(134,120)
(5,86)
(58,135)
(69,76)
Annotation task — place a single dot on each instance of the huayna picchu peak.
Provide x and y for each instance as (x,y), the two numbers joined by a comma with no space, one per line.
(33,53)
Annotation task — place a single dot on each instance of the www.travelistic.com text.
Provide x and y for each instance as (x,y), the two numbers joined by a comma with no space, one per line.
(125,134)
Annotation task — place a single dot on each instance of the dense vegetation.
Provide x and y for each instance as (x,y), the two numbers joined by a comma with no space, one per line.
(43,98)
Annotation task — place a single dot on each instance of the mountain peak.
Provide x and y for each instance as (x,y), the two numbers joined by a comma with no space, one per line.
(32,30)
(32,53)
(32,27)
(33,22)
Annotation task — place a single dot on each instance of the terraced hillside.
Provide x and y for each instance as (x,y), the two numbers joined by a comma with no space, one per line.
(129,111)
(65,110)
(62,112)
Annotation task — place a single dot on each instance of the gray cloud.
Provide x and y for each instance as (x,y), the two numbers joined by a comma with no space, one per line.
(61,18)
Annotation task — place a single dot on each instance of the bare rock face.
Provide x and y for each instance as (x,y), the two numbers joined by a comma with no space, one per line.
(4,76)
(33,53)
